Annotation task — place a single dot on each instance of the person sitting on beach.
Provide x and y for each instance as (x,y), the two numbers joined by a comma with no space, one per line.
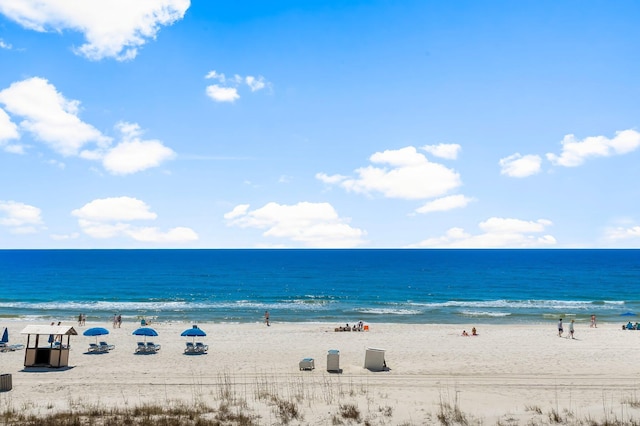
(464,333)
(629,326)
(474,332)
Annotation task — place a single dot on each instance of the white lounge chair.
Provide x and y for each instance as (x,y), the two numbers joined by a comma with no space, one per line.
(94,347)
(142,348)
(152,347)
(107,347)
(190,349)
(201,347)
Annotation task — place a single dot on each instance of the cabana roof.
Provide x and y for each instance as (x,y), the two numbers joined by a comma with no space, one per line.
(50,329)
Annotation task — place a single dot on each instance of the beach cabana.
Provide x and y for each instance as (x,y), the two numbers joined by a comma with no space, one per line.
(47,345)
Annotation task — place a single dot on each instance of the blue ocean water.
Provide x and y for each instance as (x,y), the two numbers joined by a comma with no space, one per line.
(338,286)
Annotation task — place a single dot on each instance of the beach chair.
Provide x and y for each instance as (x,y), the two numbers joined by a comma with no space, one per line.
(141,347)
(107,347)
(201,347)
(152,347)
(190,348)
(94,347)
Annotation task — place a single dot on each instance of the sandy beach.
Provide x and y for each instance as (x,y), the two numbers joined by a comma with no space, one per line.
(508,374)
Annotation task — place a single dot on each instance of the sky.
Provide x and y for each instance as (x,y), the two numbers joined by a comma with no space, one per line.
(324,124)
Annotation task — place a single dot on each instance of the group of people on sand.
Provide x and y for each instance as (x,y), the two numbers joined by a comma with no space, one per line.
(474,332)
(630,326)
(571,334)
(355,327)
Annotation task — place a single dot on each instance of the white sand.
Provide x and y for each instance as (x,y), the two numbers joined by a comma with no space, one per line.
(507,373)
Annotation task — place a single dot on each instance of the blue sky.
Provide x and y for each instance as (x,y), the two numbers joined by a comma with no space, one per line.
(373,124)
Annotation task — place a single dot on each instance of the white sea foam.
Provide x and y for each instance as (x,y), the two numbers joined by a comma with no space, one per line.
(388,311)
(520,304)
(484,314)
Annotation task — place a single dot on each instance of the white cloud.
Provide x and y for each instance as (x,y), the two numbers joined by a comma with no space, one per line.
(575,152)
(49,116)
(53,119)
(227,89)
(110,218)
(64,237)
(8,132)
(621,233)
(133,155)
(115,209)
(5,45)
(448,151)
(254,83)
(497,233)
(519,166)
(153,235)
(311,224)
(445,204)
(213,74)
(112,28)
(20,218)
(334,179)
(222,94)
(238,211)
(408,175)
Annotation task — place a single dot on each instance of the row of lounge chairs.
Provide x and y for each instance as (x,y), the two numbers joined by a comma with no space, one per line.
(196,348)
(100,347)
(149,347)
(5,347)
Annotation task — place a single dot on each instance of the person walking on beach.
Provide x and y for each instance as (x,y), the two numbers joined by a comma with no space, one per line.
(115,320)
(266,318)
(119,320)
(570,329)
(593,321)
(560,330)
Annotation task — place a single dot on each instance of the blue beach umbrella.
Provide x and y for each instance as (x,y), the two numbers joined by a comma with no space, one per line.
(193,332)
(5,336)
(628,314)
(145,331)
(96,331)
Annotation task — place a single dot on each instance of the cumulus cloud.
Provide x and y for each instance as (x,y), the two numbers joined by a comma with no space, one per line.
(448,151)
(132,154)
(227,88)
(519,166)
(621,233)
(497,233)
(53,119)
(310,224)
(49,116)
(445,204)
(20,218)
(404,173)
(111,28)
(5,45)
(222,94)
(8,132)
(575,152)
(111,217)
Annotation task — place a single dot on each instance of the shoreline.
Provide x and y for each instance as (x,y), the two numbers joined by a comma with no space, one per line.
(508,370)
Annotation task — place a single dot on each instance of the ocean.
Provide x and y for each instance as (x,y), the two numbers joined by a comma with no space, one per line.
(334,286)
